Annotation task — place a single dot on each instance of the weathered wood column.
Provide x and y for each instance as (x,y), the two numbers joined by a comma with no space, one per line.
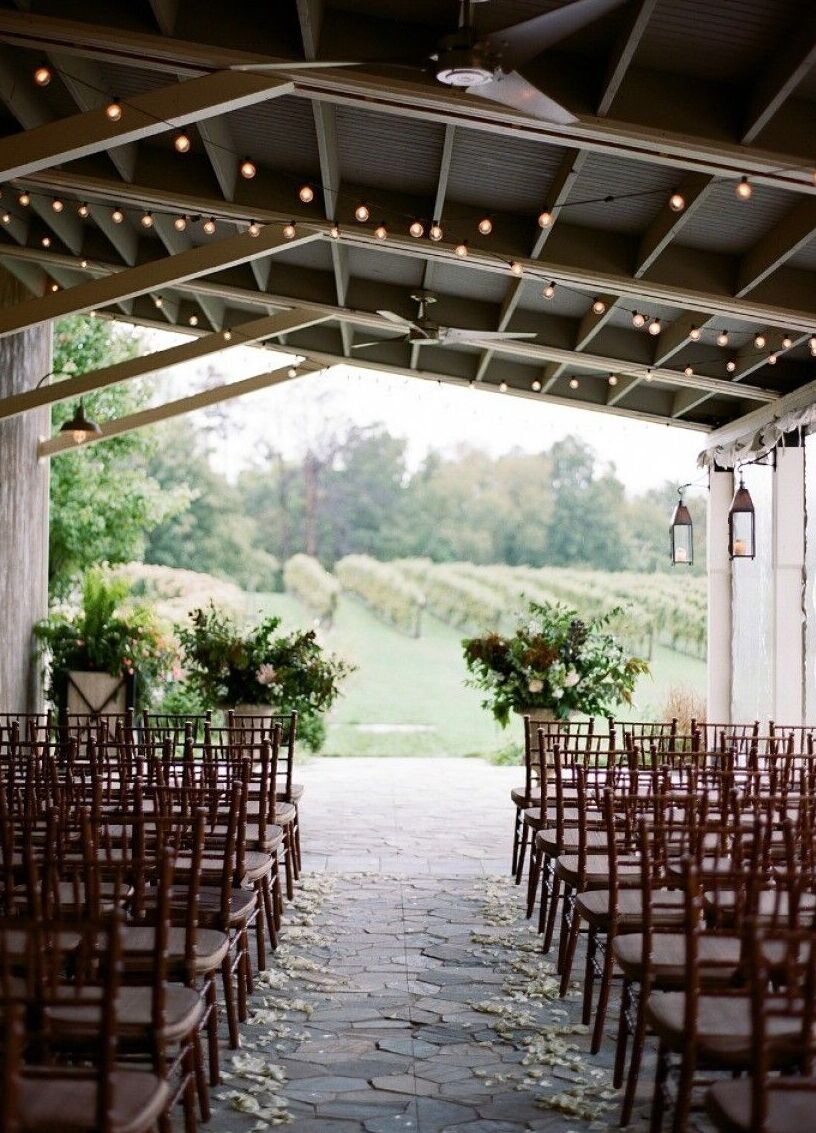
(721,489)
(24,358)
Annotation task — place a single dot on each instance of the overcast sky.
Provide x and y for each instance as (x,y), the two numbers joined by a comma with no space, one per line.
(428,415)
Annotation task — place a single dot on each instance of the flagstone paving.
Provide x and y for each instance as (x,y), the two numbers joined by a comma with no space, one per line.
(409,995)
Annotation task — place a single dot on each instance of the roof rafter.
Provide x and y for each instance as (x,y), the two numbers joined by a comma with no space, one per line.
(786,72)
(624,53)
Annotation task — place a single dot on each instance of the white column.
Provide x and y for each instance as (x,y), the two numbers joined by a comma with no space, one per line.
(721,491)
(788,583)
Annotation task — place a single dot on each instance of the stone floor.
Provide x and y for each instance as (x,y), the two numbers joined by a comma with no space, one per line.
(408,993)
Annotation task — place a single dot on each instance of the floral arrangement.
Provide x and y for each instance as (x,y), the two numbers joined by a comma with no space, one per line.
(553,661)
(104,635)
(288,672)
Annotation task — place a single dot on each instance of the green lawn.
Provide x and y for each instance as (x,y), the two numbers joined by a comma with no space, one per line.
(408,695)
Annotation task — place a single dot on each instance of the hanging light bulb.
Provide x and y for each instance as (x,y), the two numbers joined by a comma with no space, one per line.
(334,232)
(254,228)
(485,226)
(57,205)
(681,534)
(812,344)
(180,223)
(689,371)
(247,169)
(787,342)
(55,287)
(209,225)
(677,202)
(158,301)
(83,263)
(730,365)
(722,338)
(83,210)
(79,426)
(742,524)
(227,335)
(649,375)
(772,359)
(117,216)
(182,143)
(759,341)
(654,326)
(638,320)
(381,232)
(46,241)
(42,76)
(695,334)
(574,383)
(289,230)
(598,306)
(549,290)
(416,229)
(292,372)
(545,219)
(744,189)
(462,249)
(361,213)
(516,269)
(612,380)
(6,218)
(502,387)
(114,110)
(147,220)
(435,232)
(536,386)
(193,320)
(24,198)
(306,194)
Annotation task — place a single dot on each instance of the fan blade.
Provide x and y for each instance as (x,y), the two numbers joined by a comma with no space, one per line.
(398,320)
(516,92)
(376,342)
(295,65)
(461,334)
(523,42)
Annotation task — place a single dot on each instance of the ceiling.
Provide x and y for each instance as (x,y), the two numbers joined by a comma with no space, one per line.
(646,98)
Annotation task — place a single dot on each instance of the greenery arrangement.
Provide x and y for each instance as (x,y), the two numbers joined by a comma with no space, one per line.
(304,577)
(105,636)
(553,661)
(384,589)
(288,672)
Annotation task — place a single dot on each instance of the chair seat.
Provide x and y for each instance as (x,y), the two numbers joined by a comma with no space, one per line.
(594,908)
(68,1102)
(724,1027)
(547,841)
(258,863)
(273,837)
(719,957)
(183,1013)
(138,942)
(295,795)
(522,799)
(790,1110)
(597,871)
(243,903)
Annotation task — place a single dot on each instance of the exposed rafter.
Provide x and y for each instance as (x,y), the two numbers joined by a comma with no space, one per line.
(624,52)
(789,67)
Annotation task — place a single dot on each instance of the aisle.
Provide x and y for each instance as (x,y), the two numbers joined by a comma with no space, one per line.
(408,993)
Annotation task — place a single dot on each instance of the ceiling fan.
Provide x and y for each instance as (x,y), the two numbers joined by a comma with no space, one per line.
(424,332)
(489,66)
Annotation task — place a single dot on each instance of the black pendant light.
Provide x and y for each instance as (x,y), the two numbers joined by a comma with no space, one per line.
(742,524)
(79,426)
(682,534)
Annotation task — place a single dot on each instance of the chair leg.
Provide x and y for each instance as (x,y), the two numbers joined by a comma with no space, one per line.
(268,911)
(287,853)
(685,1083)
(516,840)
(659,1098)
(545,870)
(532,879)
(566,920)
(589,975)
(260,943)
(638,1041)
(553,913)
(525,833)
(189,1096)
(244,974)
(603,996)
(229,1001)
(202,1088)
(622,1040)
(569,952)
(298,855)
(212,1031)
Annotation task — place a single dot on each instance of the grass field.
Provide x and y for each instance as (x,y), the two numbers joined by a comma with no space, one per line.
(408,695)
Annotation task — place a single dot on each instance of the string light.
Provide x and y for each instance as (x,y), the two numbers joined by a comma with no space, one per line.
(361,213)
(695,334)
(744,189)
(24,198)
(381,232)
(182,143)
(649,375)
(158,301)
(117,216)
(730,365)
(545,219)
(193,320)
(227,335)
(462,249)
(292,372)
(612,379)
(516,269)
(6,218)
(306,194)
(113,110)
(247,169)
(83,263)
(771,359)
(436,232)
(147,220)
(536,386)
(254,228)
(787,342)
(689,372)
(209,225)
(677,202)
(57,205)
(83,210)
(180,223)
(654,326)
(638,320)
(334,232)
(289,230)
(416,229)
(812,344)
(42,76)
(485,226)
(598,306)
(722,338)
(549,290)
(759,341)
(574,383)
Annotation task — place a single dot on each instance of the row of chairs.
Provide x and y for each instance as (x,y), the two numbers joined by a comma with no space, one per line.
(138,866)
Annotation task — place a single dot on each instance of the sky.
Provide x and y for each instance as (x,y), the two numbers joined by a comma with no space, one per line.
(428,414)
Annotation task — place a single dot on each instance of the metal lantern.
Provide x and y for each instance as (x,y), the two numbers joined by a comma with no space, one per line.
(742,524)
(682,535)
(79,426)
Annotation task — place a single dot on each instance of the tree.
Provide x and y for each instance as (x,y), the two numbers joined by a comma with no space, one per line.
(103,499)
(586,523)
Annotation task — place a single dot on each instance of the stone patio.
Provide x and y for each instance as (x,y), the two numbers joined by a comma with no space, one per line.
(409,993)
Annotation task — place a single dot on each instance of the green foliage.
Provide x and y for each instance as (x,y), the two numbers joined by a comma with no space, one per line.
(286,671)
(103,498)
(104,636)
(384,589)
(304,577)
(460,601)
(552,661)
(586,521)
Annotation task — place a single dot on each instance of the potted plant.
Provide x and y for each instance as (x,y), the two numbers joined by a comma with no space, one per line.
(261,671)
(552,666)
(106,655)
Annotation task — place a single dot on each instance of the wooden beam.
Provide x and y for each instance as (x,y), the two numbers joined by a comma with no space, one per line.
(743,427)
(438,214)
(667,224)
(64,442)
(244,334)
(789,66)
(793,232)
(618,392)
(675,337)
(144,116)
(147,277)
(624,52)
(325,121)
(310,18)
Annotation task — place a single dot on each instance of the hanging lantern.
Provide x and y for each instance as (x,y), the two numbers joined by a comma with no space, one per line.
(79,426)
(742,524)
(682,535)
